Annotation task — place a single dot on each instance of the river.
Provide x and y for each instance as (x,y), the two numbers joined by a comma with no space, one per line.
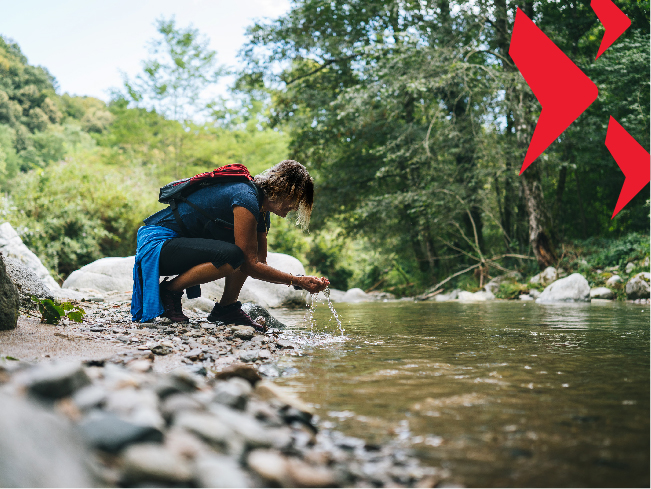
(500,394)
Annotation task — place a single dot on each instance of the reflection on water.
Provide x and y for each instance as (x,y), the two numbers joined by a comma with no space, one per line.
(501,394)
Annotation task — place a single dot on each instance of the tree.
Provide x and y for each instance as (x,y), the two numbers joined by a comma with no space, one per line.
(174,79)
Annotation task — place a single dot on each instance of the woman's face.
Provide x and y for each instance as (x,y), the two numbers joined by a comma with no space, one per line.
(281,206)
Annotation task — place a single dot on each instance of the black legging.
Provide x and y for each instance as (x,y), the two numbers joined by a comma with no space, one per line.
(179,255)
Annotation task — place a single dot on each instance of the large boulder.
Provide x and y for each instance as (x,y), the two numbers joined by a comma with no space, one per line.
(547,276)
(27,282)
(13,247)
(112,274)
(574,288)
(9,300)
(356,295)
(638,286)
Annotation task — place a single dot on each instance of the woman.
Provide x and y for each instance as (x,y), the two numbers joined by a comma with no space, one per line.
(215,250)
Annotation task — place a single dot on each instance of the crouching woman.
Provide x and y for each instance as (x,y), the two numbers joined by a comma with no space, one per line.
(218,231)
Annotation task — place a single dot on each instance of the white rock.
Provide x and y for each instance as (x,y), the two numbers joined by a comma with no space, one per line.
(104,275)
(525,297)
(601,293)
(638,286)
(448,297)
(574,288)
(356,295)
(645,262)
(480,296)
(615,279)
(548,275)
(629,267)
(11,245)
(214,470)
(534,293)
(494,285)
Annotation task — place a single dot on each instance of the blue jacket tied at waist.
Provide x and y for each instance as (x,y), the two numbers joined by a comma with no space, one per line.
(145,300)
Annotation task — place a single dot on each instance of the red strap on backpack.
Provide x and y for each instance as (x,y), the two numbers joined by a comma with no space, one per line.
(234,170)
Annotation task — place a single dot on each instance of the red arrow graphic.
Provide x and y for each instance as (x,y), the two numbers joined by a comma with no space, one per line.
(562,89)
(613,19)
(633,160)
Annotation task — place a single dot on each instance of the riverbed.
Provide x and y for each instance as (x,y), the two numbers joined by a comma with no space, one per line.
(499,394)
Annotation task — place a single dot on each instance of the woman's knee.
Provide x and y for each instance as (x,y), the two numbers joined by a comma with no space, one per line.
(234,256)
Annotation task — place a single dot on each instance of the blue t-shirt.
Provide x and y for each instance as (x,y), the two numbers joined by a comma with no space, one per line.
(218,201)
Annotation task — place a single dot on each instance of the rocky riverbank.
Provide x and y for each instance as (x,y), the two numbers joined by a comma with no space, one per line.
(172,405)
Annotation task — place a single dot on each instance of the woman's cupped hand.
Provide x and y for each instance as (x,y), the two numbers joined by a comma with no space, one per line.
(313,284)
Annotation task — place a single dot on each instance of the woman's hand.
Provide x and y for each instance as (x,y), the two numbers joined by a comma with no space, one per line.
(312,284)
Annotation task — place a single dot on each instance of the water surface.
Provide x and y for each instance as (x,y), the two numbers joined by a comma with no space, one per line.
(498,393)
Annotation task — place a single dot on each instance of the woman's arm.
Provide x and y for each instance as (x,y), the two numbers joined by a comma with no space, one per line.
(246,238)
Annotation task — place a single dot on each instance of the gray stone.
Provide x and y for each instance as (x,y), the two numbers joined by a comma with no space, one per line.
(249,355)
(615,279)
(254,311)
(110,433)
(454,295)
(638,286)
(57,380)
(233,393)
(494,285)
(13,247)
(148,462)
(574,288)
(629,267)
(243,332)
(481,296)
(247,427)
(547,276)
(206,426)
(27,282)
(286,344)
(178,403)
(40,449)
(161,350)
(89,397)
(271,466)
(525,297)
(356,295)
(219,471)
(269,370)
(241,370)
(9,300)
(601,293)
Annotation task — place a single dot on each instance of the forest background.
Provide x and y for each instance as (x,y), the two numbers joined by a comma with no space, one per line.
(409,114)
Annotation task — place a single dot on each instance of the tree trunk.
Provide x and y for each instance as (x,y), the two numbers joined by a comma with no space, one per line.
(539,235)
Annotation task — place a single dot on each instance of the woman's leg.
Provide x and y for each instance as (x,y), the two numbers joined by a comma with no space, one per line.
(232,288)
(201,274)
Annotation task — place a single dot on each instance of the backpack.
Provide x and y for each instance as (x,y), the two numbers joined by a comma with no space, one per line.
(178,191)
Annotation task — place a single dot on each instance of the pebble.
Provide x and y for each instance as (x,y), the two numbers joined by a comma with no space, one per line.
(58,380)
(110,433)
(150,462)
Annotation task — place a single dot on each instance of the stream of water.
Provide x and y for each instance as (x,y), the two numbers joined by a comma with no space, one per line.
(499,394)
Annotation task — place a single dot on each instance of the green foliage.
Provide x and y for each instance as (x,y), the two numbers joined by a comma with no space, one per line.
(512,290)
(53,311)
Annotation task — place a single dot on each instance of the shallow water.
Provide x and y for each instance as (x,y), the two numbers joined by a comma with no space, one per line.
(499,393)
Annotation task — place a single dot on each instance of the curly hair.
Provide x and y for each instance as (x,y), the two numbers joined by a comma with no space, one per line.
(289,179)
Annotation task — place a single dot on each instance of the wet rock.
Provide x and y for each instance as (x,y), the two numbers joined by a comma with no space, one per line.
(9,299)
(104,275)
(547,276)
(27,282)
(241,370)
(286,344)
(149,462)
(254,311)
(268,390)
(110,433)
(638,286)
(214,470)
(40,449)
(601,293)
(574,288)
(13,247)
(57,380)
(207,427)
(243,332)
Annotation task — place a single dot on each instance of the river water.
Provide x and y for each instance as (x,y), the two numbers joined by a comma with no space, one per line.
(500,394)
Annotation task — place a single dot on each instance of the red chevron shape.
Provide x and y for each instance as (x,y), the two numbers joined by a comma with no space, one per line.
(632,159)
(614,20)
(562,89)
